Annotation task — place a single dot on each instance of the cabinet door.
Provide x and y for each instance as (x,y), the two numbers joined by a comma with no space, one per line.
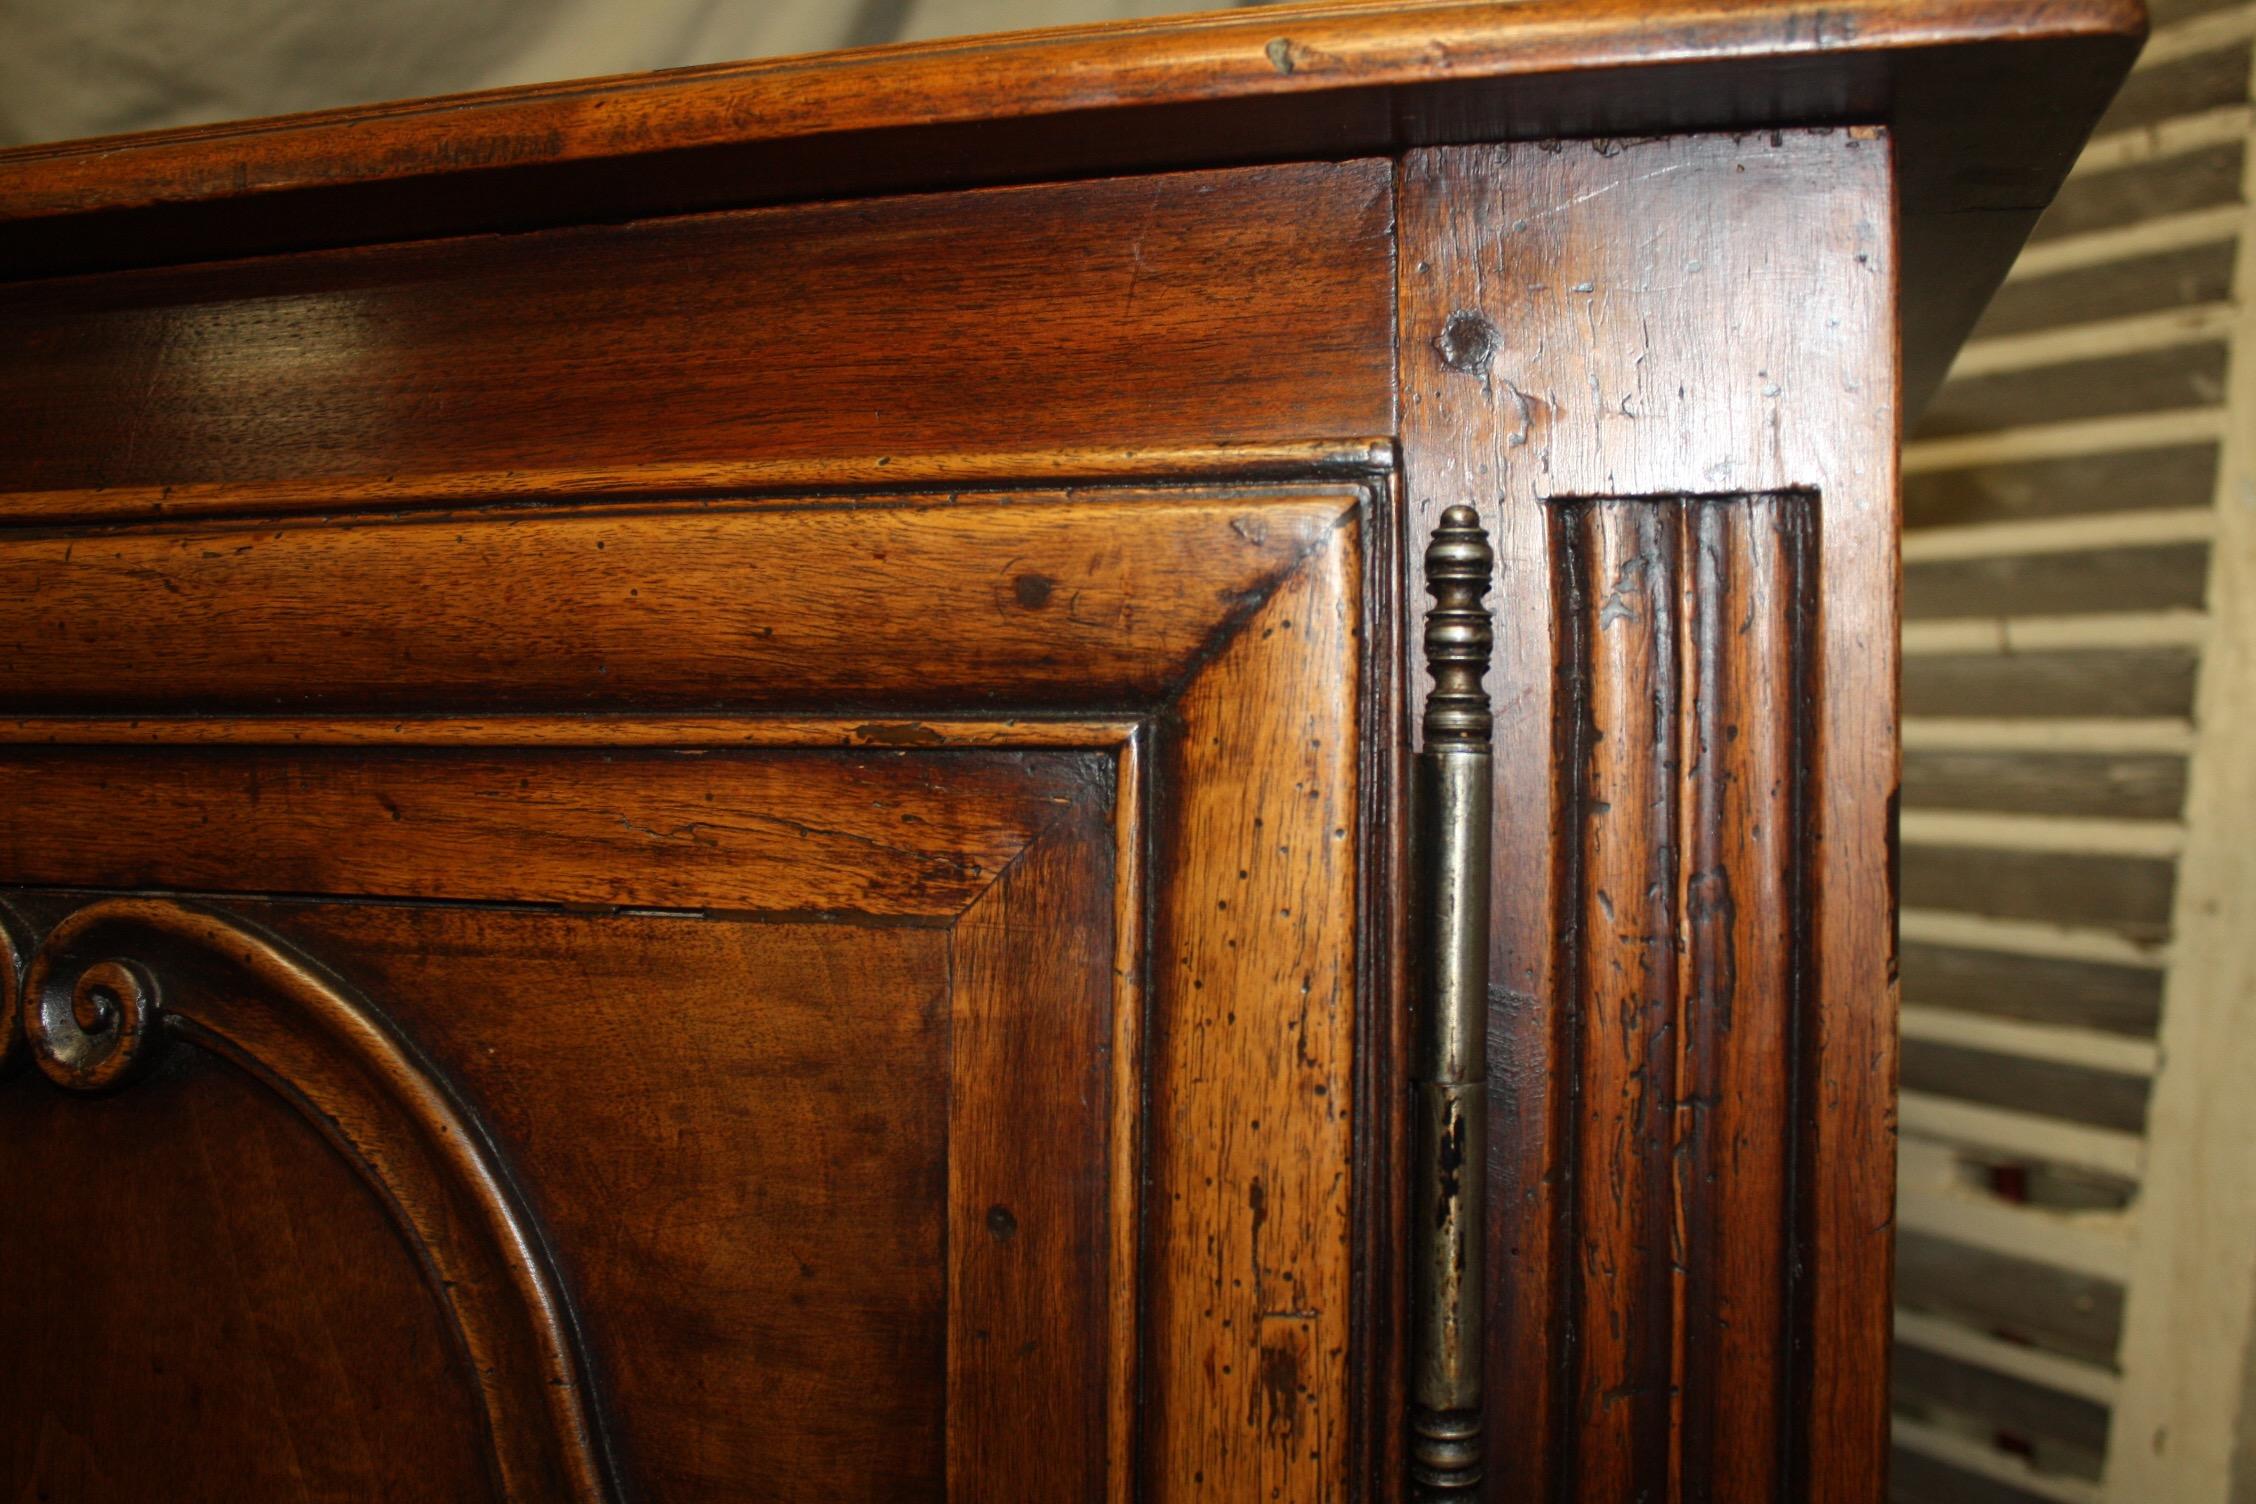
(785,1000)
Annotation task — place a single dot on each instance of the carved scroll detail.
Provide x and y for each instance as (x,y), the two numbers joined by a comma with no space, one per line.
(119,980)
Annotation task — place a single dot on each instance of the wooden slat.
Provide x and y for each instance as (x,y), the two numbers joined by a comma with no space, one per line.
(2051,1044)
(2124,1001)
(2108,248)
(2048,441)
(2031,1300)
(2171,477)
(2206,178)
(2092,1244)
(2150,787)
(2145,683)
(2175,277)
(2115,581)
(2111,736)
(1952,1339)
(2108,386)
(2049,634)
(2061,535)
(2161,13)
(2060,942)
(2180,41)
(2071,1093)
(2169,329)
(1932,1465)
(2013,1405)
(2069,835)
(2123,896)
(2164,138)
(2003,1134)
(2202,66)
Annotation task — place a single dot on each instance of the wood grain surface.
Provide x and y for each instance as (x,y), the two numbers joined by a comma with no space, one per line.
(1196,311)
(987,79)
(1255,891)
(736,1137)
(891,834)
(1990,98)
(877,1207)
(1598,339)
(258,1320)
(1041,603)
(841,687)
(1032,1112)
(117,983)
(1683,643)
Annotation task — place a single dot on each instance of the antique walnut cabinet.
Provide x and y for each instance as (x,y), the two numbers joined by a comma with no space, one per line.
(1151,763)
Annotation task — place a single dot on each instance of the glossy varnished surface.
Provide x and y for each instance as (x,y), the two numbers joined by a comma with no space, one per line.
(833,762)
(1030,601)
(1990,97)
(1664,371)
(820,1050)
(1191,310)
(197,1258)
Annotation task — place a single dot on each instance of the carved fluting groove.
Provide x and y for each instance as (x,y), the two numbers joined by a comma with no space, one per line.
(1460,568)
(117,980)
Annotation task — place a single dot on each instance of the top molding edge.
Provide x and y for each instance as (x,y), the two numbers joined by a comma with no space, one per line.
(1843,61)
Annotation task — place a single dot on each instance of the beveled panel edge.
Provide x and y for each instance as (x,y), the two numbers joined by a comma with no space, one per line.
(1253,1181)
(896,733)
(578,828)
(683,608)
(1132,802)
(1034,1196)
(882,476)
(177,971)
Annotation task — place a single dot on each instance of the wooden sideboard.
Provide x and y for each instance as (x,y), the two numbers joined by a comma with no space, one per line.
(737,785)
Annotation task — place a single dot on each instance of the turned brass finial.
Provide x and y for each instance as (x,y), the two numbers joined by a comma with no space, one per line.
(1460,570)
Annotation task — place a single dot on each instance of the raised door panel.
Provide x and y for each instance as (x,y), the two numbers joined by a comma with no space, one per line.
(204,1305)
(776,1101)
